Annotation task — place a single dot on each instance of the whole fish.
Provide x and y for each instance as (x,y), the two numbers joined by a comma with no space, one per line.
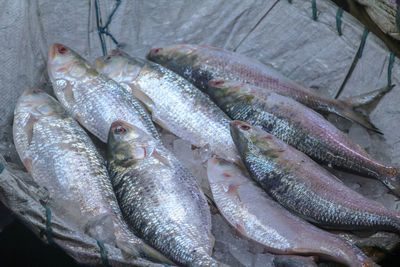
(257,217)
(160,199)
(305,188)
(174,103)
(298,126)
(60,156)
(92,98)
(199,64)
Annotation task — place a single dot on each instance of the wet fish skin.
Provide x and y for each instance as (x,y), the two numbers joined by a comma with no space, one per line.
(92,98)
(60,156)
(175,104)
(257,217)
(160,201)
(298,126)
(199,64)
(304,187)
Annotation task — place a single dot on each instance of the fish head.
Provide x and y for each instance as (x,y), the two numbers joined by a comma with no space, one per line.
(169,56)
(37,103)
(119,66)
(33,105)
(241,133)
(223,87)
(67,68)
(255,141)
(128,144)
(65,63)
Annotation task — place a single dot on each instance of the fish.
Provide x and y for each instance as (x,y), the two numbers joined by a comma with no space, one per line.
(92,98)
(199,64)
(305,188)
(60,156)
(159,198)
(175,104)
(257,217)
(300,127)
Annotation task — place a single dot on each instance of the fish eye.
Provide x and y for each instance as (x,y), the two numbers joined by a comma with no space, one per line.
(62,49)
(156,51)
(120,130)
(35,91)
(245,127)
(217,83)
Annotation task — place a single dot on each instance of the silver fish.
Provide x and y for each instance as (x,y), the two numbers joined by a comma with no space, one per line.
(298,126)
(257,217)
(60,156)
(199,64)
(305,188)
(91,98)
(160,199)
(174,103)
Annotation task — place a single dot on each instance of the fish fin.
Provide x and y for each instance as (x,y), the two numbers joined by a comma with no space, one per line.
(28,128)
(136,92)
(366,99)
(391,178)
(161,158)
(141,250)
(160,123)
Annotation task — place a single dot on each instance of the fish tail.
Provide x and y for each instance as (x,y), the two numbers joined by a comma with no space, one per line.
(367,98)
(358,107)
(358,117)
(351,255)
(391,178)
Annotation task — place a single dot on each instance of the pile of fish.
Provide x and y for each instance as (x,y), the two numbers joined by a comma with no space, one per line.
(259,133)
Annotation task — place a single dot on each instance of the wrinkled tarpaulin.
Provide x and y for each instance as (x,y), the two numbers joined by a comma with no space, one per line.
(278,33)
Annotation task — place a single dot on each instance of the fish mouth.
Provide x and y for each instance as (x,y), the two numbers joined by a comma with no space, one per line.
(217,82)
(32,91)
(155,51)
(98,63)
(241,125)
(53,50)
(117,124)
(115,52)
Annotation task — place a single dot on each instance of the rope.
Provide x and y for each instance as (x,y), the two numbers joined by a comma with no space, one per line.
(49,231)
(390,67)
(314,9)
(355,60)
(103,253)
(362,43)
(1,167)
(102,29)
(339,14)
(398,16)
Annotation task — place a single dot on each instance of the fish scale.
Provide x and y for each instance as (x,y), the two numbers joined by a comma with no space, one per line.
(92,98)
(298,126)
(199,64)
(257,217)
(157,197)
(175,104)
(61,157)
(305,188)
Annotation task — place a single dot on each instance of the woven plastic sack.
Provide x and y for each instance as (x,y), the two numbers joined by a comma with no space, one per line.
(305,40)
